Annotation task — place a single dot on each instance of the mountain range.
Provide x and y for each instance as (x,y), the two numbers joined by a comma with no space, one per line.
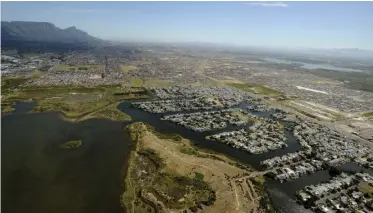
(24,35)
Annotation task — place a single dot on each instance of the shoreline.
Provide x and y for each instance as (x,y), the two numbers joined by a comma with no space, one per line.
(222,170)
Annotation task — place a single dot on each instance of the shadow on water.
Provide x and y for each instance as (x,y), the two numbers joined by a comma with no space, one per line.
(38,176)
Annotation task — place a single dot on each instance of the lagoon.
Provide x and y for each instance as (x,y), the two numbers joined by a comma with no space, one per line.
(312,66)
(38,176)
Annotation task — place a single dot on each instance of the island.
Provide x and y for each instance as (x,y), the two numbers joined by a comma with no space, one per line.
(71,144)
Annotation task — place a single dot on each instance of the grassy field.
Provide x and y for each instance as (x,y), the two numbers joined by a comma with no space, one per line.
(73,101)
(136,82)
(67,67)
(174,191)
(153,82)
(12,82)
(10,92)
(75,109)
(128,68)
(110,112)
(256,88)
(366,189)
(367,114)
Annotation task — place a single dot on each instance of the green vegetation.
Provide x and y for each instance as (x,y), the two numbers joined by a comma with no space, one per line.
(153,82)
(73,101)
(256,88)
(128,68)
(71,110)
(129,195)
(71,144)
(190,151)
(6,108)
(366,189)
(10,92)
(67,67)
(146,173)
(367,114)
(137,82)
(264,202)
(37,73)
(242,116)
(12,82)
(259,179)
(180,192)
(354,80)
(298,192)
(111,112)
(152,156)
(198,176)
(164,135)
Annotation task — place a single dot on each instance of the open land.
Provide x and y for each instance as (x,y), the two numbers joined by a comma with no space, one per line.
(76,102)
(328,114)
(179,158)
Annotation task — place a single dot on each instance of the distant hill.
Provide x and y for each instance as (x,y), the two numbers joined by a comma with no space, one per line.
(43,36)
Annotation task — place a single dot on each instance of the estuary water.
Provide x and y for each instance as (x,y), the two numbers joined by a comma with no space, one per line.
(282,194)
(198,138)
(39,177)
(312,66)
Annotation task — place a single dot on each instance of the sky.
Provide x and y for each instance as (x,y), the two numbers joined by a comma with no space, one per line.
(269,24)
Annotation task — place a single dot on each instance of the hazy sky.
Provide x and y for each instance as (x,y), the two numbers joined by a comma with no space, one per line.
(280,24)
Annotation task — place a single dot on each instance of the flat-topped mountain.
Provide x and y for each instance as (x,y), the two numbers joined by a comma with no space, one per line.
(43,35)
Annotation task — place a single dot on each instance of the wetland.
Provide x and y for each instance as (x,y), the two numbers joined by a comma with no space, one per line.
(39,176)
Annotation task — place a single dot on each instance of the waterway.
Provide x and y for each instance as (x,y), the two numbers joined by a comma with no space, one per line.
(37,176)
(312,66)
(282,194)
(23,106)
(198,138)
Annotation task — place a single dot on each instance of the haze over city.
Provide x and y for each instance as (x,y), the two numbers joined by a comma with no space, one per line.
(186,107)
(268,24)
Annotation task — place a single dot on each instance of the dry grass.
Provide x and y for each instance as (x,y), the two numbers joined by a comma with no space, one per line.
(230,196)
(127,68)
(66,67)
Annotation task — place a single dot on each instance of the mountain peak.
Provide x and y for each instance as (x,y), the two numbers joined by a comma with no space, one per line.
(42,31)
(71,28)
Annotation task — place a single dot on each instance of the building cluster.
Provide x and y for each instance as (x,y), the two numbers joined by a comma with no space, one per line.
(177,105)
(344,193)
(208,120)
(259,138)
(328,145)
(321,148)
(366,162)
(55,78)
(14,65)
(296,170)
(286,159)
(286,78)
(258,108)
(227,96)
